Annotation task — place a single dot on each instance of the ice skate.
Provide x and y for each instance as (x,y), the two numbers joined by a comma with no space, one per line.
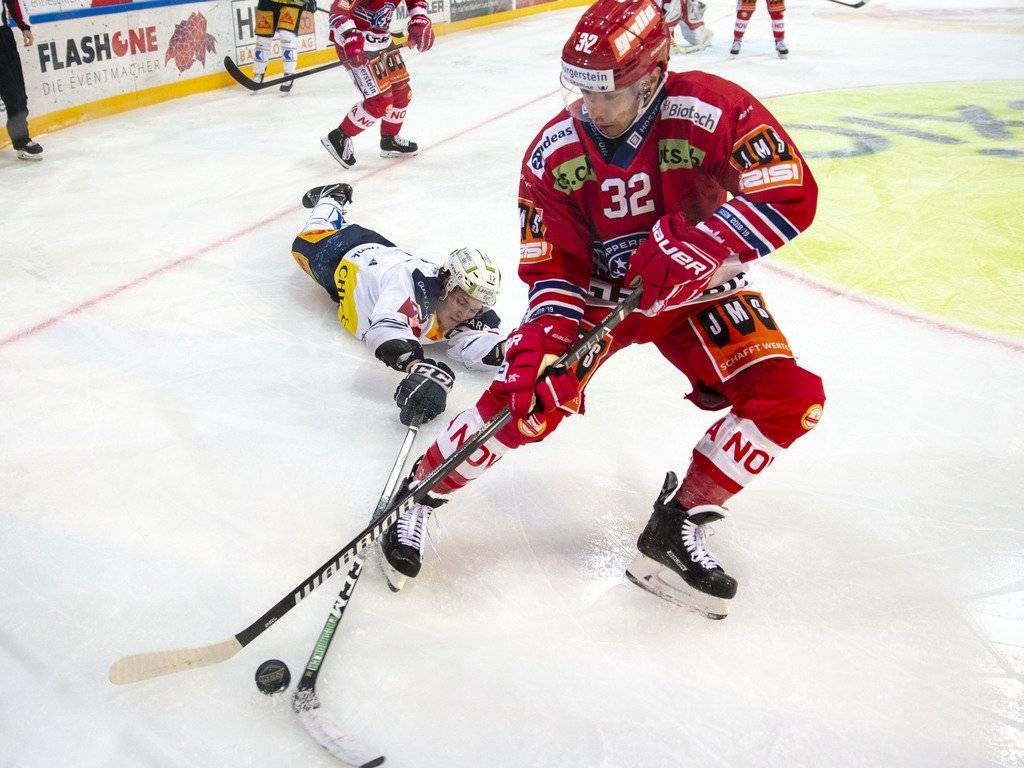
(340,147)
(401,546)
(339,191)
(735,49)
(781,48)
(674,561)
(286,86)
(256,79)
(28,150)
(396,146)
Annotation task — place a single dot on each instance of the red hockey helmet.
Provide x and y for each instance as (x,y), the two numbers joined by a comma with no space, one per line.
(614,44)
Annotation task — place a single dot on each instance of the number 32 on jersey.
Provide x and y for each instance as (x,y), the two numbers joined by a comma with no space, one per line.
(630,197)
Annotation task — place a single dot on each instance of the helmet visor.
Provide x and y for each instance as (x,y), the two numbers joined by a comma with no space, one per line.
(612,112)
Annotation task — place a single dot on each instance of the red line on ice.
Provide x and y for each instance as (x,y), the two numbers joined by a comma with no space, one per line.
(878,305)
(882,306)
(32,330)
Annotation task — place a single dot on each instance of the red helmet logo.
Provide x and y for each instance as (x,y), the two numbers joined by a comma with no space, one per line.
(615,43)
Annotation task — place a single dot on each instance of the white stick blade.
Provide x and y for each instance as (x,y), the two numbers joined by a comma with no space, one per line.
(142,666)
(335,741)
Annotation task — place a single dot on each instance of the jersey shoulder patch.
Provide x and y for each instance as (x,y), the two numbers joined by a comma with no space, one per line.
(559,133)
(699,98)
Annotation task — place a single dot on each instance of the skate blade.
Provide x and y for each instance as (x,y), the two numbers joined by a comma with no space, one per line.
(394,579)
(389,153)
(330,150)
(665,583)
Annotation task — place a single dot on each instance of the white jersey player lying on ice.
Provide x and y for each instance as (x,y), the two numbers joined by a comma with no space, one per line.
(395,302)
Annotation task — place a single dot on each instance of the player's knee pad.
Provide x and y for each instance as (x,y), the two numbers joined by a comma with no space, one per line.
(784,400)
(776,7)
(262,51)
(378,105)
(289,50)
(289,41)
(743,15)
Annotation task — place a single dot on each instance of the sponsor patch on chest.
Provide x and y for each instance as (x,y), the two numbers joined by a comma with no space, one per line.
(700,113)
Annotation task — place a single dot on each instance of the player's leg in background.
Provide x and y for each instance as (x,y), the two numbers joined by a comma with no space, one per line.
(744,10)
(12,89)
(287,32)
(289,50)
(776,10)
(266,23)
(391,144)
(371,79)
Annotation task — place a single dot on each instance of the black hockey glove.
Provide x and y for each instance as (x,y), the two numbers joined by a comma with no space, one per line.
(424,390)
(310,5)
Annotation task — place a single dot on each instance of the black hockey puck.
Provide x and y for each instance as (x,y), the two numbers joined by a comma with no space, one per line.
(272,676)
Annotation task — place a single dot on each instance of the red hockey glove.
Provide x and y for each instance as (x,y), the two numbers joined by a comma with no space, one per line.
(348,41)
(531,348)
(674,269)
(558,388)
(421,31)
(352,46)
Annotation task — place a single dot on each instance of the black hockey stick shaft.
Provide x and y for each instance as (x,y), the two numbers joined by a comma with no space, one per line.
(323,642)
(247,82)
(856,4)
(136,667)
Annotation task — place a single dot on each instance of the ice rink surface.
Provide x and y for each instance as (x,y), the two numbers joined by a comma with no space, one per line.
(186,433)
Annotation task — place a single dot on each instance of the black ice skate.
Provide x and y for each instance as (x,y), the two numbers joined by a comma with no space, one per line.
(340,147)
(396,146)
(339,191)
(674,561)
(735,49)
(401,546)
(781,48)
(28,150)
(286,86)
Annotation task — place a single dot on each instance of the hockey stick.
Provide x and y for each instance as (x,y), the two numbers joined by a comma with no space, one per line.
(305,701)
(141,666)
(247,82)
(857,4)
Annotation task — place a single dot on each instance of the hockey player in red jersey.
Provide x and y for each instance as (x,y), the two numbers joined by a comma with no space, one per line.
(776,10)
(360,31)
(683,180)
